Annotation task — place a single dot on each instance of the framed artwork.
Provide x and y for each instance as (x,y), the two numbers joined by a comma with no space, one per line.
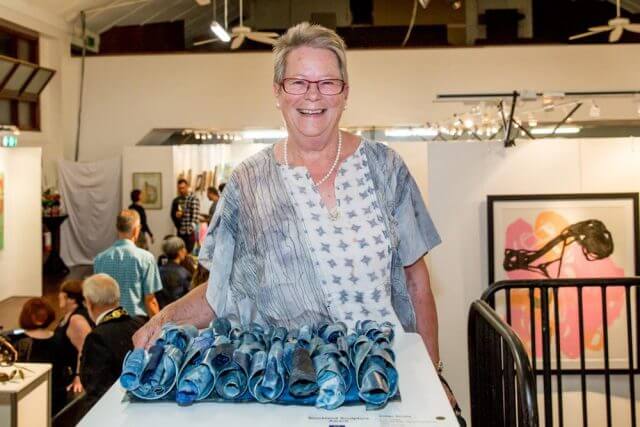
(534,237)
(1,211)
(150,184)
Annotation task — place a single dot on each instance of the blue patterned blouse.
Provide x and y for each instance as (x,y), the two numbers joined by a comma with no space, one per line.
(264,265)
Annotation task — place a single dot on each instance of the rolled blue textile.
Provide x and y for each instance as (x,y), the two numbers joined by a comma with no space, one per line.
(157,383)
(331,332)
(153,375)
(339,351)
(304,337)
(197,382)
(376,375)
(302,380)
(331,386)
(231,369)
(221,326)
(375,331)
(194,377)
(267,378)
(132,367)
(178,336)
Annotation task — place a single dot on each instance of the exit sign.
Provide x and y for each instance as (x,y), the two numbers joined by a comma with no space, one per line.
(9,141)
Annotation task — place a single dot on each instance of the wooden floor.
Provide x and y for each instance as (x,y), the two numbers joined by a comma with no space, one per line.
(10,307)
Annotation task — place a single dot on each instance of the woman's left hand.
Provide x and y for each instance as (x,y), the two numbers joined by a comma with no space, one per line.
(76,385)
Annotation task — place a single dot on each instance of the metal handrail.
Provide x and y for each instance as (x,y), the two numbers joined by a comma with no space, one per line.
(526,387)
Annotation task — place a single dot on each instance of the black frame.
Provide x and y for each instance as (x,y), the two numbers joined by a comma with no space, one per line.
(491,199)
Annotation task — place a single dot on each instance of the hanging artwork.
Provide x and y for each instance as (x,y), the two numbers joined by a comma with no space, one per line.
(1,211)
(533,237)
(562,236)
(150,185)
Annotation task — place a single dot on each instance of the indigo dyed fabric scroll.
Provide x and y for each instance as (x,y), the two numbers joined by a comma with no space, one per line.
(325,366)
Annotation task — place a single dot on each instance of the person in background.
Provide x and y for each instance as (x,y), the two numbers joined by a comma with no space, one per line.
(72,331)
(176,279)
(221,187)
(136,205)
(106,346)
(133,268)
(39,345)
(185,210)
(200,277)
(213,195)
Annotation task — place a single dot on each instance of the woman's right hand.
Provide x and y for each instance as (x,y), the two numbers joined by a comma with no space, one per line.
(148,333)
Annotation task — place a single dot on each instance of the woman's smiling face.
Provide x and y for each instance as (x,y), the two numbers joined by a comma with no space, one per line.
(311,115)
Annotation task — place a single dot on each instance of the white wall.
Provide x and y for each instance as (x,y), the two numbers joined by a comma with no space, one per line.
(126,96)
(151,159)
(21,258)
(461,175)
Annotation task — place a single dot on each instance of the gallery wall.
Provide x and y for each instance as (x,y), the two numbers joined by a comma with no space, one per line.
(126,96)
(21,257)
(461,175)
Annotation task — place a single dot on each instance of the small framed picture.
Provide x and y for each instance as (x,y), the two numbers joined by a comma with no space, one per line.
(150,186)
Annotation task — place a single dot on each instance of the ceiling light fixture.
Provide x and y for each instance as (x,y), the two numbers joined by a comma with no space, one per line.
(265,134)
(218,29)
(408,132)
(562,130)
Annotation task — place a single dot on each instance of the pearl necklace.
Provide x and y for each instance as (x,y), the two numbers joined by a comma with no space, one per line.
(333,166)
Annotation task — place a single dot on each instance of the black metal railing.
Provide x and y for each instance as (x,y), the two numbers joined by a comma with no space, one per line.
(502,385)
(549,312)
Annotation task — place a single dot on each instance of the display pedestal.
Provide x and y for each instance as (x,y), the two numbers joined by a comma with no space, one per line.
(26,402)
(423,403)
(54,264)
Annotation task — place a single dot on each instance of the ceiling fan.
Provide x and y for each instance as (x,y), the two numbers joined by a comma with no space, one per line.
(616,25)
(241,32)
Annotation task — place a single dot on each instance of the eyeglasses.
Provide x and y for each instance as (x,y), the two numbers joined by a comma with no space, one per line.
(301,86)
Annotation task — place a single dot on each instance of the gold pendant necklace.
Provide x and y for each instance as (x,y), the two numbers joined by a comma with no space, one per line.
(334,214)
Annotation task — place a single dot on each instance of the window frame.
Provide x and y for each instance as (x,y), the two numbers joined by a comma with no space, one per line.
(17,34)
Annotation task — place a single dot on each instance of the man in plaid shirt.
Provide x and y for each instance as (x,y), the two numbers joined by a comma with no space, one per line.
(185,210)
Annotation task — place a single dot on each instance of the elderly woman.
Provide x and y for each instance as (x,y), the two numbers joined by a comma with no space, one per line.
(72,330)
(324,226)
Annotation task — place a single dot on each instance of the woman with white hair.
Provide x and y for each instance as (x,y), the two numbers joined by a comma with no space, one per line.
(323,226)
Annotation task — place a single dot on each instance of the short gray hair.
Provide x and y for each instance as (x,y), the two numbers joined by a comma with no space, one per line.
(171,246)
(101,290)
(311,35)
(127,220)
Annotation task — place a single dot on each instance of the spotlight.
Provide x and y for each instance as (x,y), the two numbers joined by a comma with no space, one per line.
(468,123)
(455,4)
